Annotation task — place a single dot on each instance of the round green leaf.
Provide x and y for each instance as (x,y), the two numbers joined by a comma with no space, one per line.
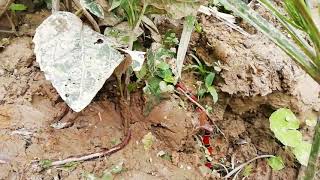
(276,163)
(302,152)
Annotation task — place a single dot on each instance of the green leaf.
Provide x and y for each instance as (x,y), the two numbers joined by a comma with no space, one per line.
(142,73)
(201,92)
(168,76)
(164,87)
(209,79)
(17,7)
(213,93)
(93,7)
(276,163)
(302,152)
(163,66)
(170,39)
(284,124)
(46,163)
(153,85)
(115,4)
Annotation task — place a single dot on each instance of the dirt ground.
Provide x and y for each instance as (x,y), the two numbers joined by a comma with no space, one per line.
(256,78)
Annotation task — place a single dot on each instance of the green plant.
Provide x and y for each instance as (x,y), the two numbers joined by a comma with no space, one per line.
(298,19)
(170,39)
(17,7)
(284,125)
(276,163)
(207,75)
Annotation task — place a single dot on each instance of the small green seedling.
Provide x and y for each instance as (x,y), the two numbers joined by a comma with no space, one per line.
(45,163)
(170,39)
(285,125)
(276,163)
(17,7)
(208,76)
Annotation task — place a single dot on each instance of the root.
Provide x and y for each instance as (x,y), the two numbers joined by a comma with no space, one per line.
(95,155)
(71,115)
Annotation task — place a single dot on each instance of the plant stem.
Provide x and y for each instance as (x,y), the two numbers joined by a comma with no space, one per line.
(55,6)
(315,149)
(79,12)
(132,34)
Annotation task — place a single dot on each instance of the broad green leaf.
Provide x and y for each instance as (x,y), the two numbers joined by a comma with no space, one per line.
(284,124)
(164,87)
(213,93)
(287,137)
(209,79)
(168,76)
(93,7)
(163,66)
(17,7)
(276,163)
(76,59)
(153,85)
(242,10)
(302,152)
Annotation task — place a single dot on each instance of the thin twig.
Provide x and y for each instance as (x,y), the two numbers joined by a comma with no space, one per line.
(236,175)
(133,32)
(203,109)
(224,167)
(13,26)
(95,155)
(246,163)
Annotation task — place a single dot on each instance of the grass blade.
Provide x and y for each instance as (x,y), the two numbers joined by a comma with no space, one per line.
(306,48)
(242,10)
(184,42)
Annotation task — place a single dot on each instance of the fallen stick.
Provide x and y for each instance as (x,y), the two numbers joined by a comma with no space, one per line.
(88,156)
